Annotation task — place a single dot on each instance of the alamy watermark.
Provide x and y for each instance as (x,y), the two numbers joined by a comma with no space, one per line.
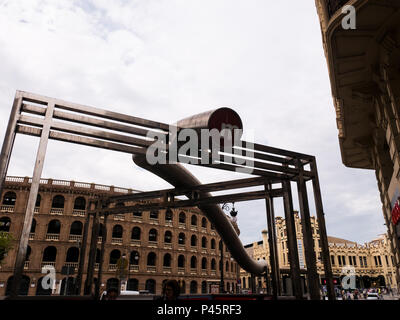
(349,21)
(349,279)
(203,146)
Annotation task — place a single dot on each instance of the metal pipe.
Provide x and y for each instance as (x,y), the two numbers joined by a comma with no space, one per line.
(179,177)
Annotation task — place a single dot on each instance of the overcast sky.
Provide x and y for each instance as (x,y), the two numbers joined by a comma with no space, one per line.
(165,60)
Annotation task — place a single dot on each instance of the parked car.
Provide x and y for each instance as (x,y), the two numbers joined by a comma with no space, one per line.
(373,296)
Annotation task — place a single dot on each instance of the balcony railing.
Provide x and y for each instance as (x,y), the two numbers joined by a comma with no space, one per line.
(56,211)
(48,263)
(72,264)
(75,237)
(135,242)
(116,240)
(120,217)
(134,267)
(7,208)
(53,236)
(26,265)
(32,236)
(334,5)
(151,268)
(181,270)
(112,267)
(79,213)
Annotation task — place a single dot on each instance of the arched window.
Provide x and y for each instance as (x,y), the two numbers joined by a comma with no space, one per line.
(204,222)
(100,230)
(114,256)
(227,266)
(28,253)
(168,215)
(181,261)
(193,262)
(135,233)
(168,237)
(72,255)
(194,220)
(151,286)
(5,224)
(203,287)
(167,260)
(112,283)
(49,254)
(213,264)
(151,259)
(193,287)
(181,239)
(98,252)
(33,226)
(117,231)
(153,235)
(58,202)
(213,243)
(204,263)
(9,198)
(38,199)
(154,214)
(137,213)
(54,227)
(133,284)
(134,258)
(183,286)
(182,217)
(23,286)
(76,228)
(80,203)
(193,241)
(204,242)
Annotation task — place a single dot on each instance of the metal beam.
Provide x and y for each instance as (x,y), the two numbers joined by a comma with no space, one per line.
(292,241)
(37,172)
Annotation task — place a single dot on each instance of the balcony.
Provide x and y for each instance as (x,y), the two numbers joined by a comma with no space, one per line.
(72,264)
(334,5)
(182,225)
(181,270)
(151,268)
(135,242)
(56,211)
(119,217)
(48,263)
(153,244)
(53,236)
(7,209)
(112,267)
(79,213)
(116,241)
(75,237)
(134,268)
(167,269)
(167,245)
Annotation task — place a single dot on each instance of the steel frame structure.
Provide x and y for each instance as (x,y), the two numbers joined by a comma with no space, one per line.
(50,118)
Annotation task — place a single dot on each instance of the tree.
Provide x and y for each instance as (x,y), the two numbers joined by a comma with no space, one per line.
(5,244)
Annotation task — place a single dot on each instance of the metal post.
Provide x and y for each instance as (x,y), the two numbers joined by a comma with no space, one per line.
(272,243)
(312,274)
(83,250)
(100,272)
(37,172)
(292,240)
(9,138)
(322,230)
(92,254)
